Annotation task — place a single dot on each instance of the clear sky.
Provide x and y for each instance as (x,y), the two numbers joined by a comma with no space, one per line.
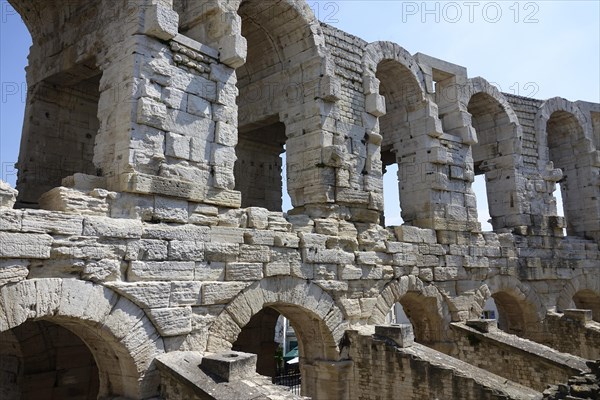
(539,49)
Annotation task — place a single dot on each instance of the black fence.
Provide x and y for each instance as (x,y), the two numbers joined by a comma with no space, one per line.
(291,380)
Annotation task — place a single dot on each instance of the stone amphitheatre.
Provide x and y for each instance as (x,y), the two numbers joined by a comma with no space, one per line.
(146,256)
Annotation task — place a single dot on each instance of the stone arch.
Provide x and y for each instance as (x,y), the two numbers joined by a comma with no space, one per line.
(549,107)
(398,113)
(520,309)
(277,50)
(118,333)
(583,289)
(496,151)
(377,52)
(312,310)
(567,156)
(423,304)
(68,90)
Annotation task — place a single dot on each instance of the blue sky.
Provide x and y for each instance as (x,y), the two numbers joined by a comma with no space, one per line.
(540,49)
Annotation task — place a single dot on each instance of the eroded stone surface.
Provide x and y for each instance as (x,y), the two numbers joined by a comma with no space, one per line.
(164,230)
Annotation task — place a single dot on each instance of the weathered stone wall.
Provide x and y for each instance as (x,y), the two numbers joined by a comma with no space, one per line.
(144,249)
(417,372)
(573,333)
(519,360)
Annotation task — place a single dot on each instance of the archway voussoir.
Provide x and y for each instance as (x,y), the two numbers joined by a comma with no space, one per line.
(49,292)
(19,301)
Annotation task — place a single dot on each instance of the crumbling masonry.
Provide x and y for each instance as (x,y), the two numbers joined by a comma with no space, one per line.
(147,235)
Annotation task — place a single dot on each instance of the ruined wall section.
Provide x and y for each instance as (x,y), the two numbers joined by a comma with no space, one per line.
(583,334)
(416,372)
(519,360)
(61,66)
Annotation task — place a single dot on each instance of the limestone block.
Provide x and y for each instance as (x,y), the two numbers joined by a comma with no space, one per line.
(112,228)
(226,134)
(258,218)
(189,125)
(225,234)
(151,112)
(172,321)
(10,220)
(371,85)
(327,226)
(198,106)
(279,223)
(170,209)
(132,206)
(76,201)
(179,232)
(350,272)
(281,268)
(40,221)
(161,271)
(185,294)
(222,252)
(375,104)
(221,292)
(146,249)
(185,250)
(8,195)
(174,98)
(25,245)
(84,182)
(213,271)
(254,253)
(233,50)
(178,146)
(86,301)
(330,88)
(161,22)
(415,235)
(230,366)
(102,270)
(290,240)
(401,334)
(266,238)
(145,294)
(243,271)
(12,271)
(19,303)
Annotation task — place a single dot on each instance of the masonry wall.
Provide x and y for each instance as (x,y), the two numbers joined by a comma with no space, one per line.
(522,361)
(175,262)
(572,335)
(382,370)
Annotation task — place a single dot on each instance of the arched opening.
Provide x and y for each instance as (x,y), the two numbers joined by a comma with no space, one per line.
(564,137)
(286,339)
(588,300)
(427,324)
(59,132)
(62,114)
(490,309)
(258,170)
(272,337)
(515,316)
(495,135)
(267,88)
(403,103)
(39,359)
(118,334)
(318,324)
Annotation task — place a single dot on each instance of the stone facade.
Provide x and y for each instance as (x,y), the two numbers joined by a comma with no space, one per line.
(148,218)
